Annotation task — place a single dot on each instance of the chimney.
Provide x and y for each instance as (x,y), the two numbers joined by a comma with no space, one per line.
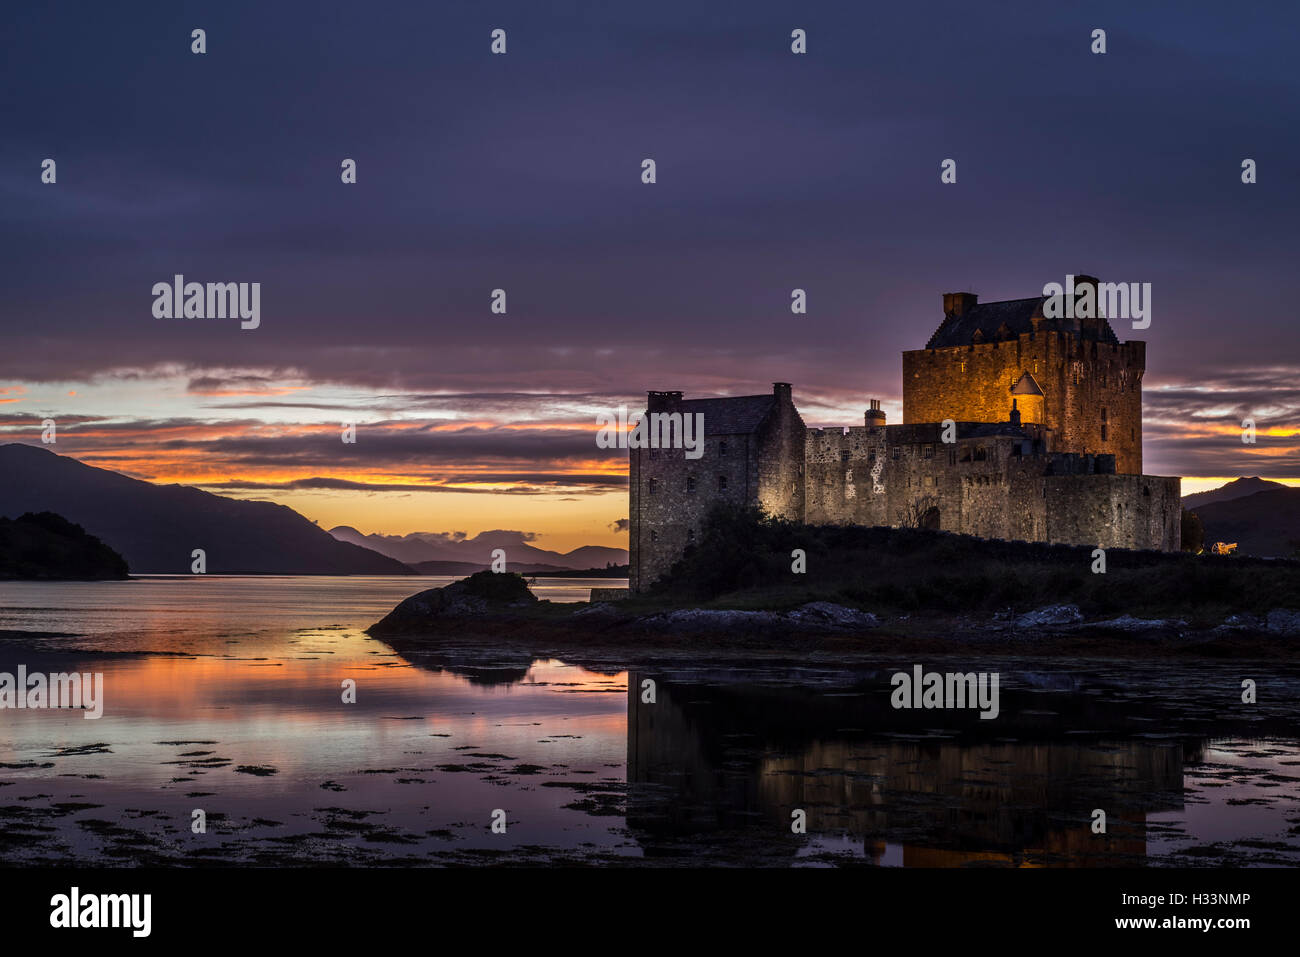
(782,391)
(1015,414)
(958,303)
(662,401)
(1080,281)
(875,417)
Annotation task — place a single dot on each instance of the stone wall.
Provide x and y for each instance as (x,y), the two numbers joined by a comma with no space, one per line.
(1092,391)
(670,495)
(1114,511)
(905,476)
(991,486)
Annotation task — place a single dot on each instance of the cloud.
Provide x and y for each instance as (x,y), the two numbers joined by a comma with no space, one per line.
(237,385)
(1195,428)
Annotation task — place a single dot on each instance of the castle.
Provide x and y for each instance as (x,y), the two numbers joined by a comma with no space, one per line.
(1015,426)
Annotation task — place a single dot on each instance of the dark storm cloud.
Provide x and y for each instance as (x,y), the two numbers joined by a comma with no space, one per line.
(522,172)
(397,445)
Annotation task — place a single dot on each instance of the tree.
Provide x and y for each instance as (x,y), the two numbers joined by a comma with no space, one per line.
(917,513)
(1193,533)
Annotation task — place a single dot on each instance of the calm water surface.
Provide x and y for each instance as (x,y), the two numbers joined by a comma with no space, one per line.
(225,694)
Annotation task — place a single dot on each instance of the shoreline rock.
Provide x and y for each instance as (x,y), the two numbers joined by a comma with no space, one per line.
(492,608)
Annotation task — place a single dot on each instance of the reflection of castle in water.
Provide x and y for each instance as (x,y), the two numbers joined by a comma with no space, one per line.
(730,762)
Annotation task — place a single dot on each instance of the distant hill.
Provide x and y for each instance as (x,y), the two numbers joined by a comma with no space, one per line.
(420,548)
(1265,523)
(1238,488)
(449,568)
(48,546)
(156,527)
(469,568)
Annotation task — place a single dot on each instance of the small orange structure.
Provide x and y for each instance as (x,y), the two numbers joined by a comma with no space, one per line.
(1224,548)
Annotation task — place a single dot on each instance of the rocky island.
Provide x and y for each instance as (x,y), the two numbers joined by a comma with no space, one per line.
(870,592)
(46,546)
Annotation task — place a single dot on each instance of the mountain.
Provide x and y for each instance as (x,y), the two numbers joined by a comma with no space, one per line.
(156,527)
(1238,488)
(1265,523)
(48,546)
(418,548)
(469,568)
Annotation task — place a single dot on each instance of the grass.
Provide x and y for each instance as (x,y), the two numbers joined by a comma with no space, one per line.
(742,559)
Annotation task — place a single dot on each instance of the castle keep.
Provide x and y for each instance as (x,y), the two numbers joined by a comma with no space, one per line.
(1015,426)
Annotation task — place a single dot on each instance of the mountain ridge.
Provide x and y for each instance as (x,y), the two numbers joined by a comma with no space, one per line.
(1265,524)
(157,527)
(419,548)
(1237,488)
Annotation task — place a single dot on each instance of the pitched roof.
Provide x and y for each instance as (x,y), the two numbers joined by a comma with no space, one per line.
(736,415)
(1027,385)
(999,321)
(986,429)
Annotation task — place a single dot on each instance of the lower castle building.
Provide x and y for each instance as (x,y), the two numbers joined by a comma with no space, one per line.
(1016,426)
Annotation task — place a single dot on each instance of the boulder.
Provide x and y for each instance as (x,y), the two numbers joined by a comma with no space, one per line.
(1284,621)
(1051,615)
(827,614)
(479,594)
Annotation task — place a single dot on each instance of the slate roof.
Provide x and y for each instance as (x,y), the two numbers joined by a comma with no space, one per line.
(1027,385)
(990,318)
(993,429)
(736,415)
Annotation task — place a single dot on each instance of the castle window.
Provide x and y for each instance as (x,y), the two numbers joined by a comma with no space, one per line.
(980,454)
(1103,431)
(722,448)
(1103,411)
(871,455)
(690,535)
(654,536)
(654,485)
(844,455)
(690,483)
(722,483)
(929,451)
(897,450)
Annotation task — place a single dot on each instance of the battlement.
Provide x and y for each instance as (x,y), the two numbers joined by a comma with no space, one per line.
(1085,386)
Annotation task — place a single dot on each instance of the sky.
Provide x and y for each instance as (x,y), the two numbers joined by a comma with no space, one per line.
(523,172)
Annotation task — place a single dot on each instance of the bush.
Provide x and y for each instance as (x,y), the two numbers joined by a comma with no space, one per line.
(743,557)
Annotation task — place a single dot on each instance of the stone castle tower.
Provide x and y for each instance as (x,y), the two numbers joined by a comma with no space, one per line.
(1073,376)
(1015,426)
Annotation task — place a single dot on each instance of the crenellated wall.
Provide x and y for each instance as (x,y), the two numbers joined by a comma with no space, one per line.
(1092,390)
(989,485)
